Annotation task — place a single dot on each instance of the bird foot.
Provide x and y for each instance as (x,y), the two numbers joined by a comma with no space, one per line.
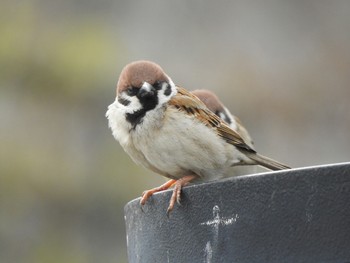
(148,193)
(176,196)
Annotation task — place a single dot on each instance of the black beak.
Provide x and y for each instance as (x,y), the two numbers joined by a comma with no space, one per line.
(146,91)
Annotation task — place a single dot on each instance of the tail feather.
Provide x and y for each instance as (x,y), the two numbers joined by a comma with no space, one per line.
(267,162)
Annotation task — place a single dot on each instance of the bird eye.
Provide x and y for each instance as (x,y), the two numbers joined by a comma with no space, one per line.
(132,91)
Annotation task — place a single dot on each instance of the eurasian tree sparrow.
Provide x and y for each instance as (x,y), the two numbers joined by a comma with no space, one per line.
(170,131)
(214,104)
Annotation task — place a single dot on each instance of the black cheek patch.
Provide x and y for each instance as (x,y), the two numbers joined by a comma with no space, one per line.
(123,101)
(167,91)
(223,116)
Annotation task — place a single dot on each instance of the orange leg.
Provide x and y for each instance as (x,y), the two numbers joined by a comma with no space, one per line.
(146,194)
(177,190)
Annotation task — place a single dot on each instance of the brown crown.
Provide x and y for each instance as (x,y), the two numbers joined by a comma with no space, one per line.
(138,72)
(209,99)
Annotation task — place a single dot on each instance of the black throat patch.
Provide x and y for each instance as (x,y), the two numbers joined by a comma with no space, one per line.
(148,103)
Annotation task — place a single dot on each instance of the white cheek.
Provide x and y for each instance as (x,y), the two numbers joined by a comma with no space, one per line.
(163,98)
(233,123)
(173,88)
(134,104)
(117,122)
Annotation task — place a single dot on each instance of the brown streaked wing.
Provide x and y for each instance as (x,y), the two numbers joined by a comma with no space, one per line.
(191,105)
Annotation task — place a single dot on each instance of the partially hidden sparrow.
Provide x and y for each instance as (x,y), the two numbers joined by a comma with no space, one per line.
(214,104)
(168,130)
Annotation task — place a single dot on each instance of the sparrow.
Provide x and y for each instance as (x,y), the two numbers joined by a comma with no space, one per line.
(170,131)
(214,104)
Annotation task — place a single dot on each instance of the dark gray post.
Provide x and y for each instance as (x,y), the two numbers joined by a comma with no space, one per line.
(299,215)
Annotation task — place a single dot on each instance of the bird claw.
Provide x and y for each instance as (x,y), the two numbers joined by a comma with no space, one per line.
(145,195)
(141,207)
(176,195)
(175,198)
(148,193)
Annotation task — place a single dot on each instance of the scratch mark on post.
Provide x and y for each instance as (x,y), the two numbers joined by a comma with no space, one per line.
(308,216)
(208,252)
(272,195)
(219,221)
(215,223)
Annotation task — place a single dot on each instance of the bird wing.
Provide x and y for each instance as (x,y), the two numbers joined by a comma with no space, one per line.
(192,106)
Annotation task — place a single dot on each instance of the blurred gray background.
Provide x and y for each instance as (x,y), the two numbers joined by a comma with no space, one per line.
(283,67)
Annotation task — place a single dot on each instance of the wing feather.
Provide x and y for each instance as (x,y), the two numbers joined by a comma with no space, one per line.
(192,106)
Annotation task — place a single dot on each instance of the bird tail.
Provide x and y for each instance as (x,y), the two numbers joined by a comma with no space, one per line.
(267,162)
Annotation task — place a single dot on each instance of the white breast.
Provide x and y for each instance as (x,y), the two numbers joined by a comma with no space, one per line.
(173,144)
